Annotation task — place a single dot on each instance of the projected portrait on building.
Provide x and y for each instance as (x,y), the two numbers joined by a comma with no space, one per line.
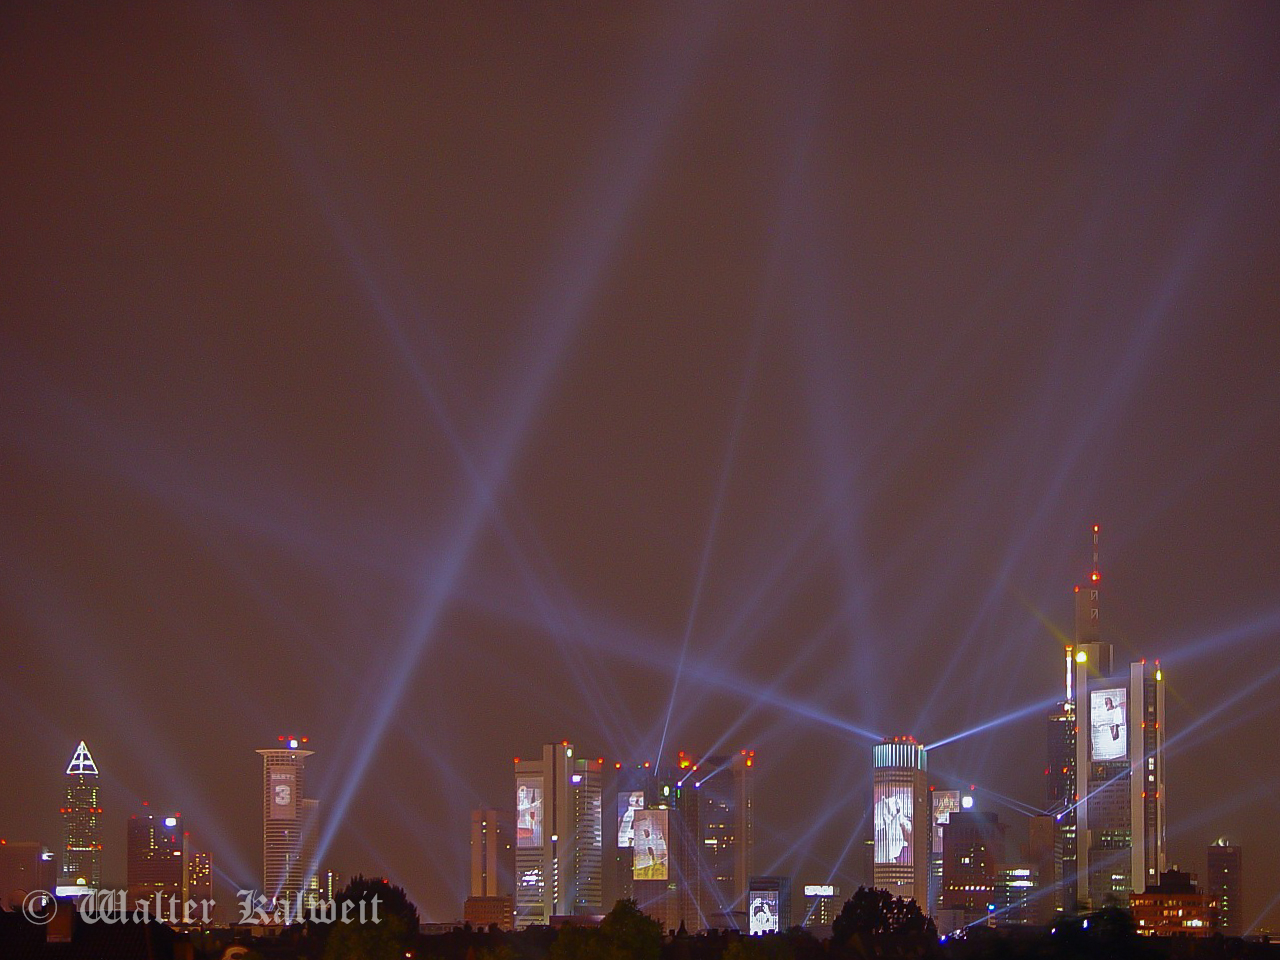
(650,842)
(628,804)
(1108,711)
(762,913)
(529,812)
(892,818)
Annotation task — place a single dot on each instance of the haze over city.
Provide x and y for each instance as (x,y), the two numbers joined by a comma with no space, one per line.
(442,381)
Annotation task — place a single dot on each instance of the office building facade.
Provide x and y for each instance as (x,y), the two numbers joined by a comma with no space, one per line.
(81,867)
(289,824)
(558,836)
(900,798)
(155,857)
(1225,887)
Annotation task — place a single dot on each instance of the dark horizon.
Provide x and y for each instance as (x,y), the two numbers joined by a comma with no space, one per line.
(442,383)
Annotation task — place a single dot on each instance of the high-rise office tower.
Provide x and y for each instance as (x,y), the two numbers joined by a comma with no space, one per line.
(492,871)
(1044,853)
(1062,791)
(702,809)
(199,877)
(156,856)
(900,788)
(666,861)
(1113,824)
(1225,887)
(82,822)
(288,821)
(973,848)
(490,852)
(727,825)
(559,836)
(943,804)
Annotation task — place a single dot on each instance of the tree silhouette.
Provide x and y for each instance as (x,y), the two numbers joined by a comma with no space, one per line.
(878,913)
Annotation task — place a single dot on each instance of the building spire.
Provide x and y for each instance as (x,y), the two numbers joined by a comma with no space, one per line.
(1096,575)
(81,763)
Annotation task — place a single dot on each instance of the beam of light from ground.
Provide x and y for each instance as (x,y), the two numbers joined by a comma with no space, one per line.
(57,615)
(1252,927)
(570,292)
(635,647)
(1018,714)
(1262,627)
(570,296)
(1137,355)
(708,545)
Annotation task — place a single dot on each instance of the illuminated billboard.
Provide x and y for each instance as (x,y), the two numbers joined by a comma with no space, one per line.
(529,811)
(762,912)
(650,842)
(628,804)
(284,792)
(1108,713)
(892,817)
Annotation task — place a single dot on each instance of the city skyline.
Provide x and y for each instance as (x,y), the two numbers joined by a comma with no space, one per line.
(468,378)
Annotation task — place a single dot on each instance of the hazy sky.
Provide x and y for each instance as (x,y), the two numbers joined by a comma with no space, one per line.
(437,380)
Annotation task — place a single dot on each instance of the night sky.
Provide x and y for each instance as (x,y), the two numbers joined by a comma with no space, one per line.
(438,380)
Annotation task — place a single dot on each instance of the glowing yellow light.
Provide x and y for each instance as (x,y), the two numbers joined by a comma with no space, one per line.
(1159,675)
(1081,657)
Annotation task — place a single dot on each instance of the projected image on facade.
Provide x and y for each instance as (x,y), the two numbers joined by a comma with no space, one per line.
(892,818)
(945,803)
(628,804)
(284,792)
(1108,711)
(528,811)
(650,842)
(762,912)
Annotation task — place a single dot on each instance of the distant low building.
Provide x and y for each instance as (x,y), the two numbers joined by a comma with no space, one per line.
(1174,906)
(484,912)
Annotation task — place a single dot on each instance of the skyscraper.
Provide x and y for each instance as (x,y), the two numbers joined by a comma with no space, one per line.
(288,821)
(974,846)
(1113,828)
(559,836)
(82,822)
(490,851)
(1225,887)
(900,799)
(156,857)
(492,870)
(727,827)
(199,877)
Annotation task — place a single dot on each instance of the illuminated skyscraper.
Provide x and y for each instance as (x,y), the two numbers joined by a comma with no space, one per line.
(559,836)
(1110,800)
(1225,887)
(82,821)
(974,846)
(288,821)
(900,796)
(943,803)
(727,827)
(491,851)
(492,870)
(156,857)
(199,877)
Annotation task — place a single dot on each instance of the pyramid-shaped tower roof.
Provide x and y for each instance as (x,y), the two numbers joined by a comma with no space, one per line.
(82,763)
